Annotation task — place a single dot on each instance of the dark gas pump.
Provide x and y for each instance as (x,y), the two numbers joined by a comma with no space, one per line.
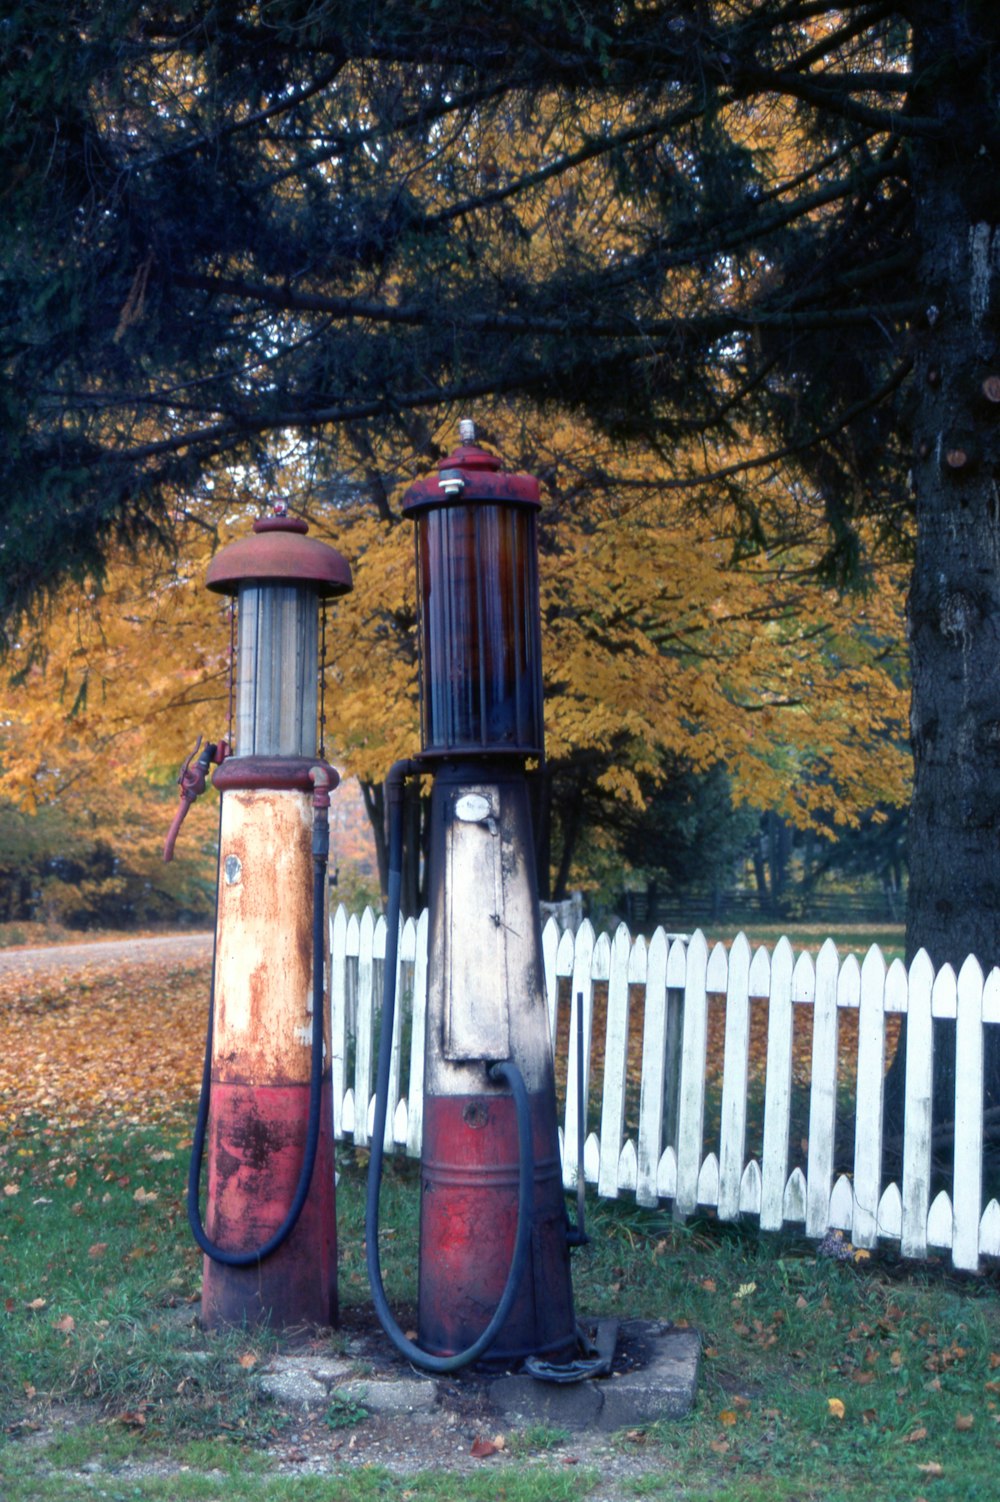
(494,1278)
(264,1121)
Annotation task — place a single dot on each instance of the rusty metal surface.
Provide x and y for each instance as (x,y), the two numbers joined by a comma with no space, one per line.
(263,971)
(280,554)
(256,1142)
(485,960)
(275,772)
(461,914)
(261,1060)
(484,480)
(468,1221)
(475,996)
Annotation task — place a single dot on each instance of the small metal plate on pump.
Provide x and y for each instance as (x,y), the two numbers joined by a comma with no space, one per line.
(233,868)
(475,1012)
(472,808)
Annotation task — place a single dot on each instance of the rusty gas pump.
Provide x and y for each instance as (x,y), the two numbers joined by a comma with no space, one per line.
(494,1278)
(264,1122)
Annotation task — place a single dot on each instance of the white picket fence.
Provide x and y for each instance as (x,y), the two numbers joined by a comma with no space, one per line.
(662,1154)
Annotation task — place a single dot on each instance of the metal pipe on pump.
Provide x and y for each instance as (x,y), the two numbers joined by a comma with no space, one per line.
(494,1274)
(269,1233)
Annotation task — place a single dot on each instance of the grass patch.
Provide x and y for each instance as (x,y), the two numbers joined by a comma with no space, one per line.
(850,938)
(821,1379)
(99,1283)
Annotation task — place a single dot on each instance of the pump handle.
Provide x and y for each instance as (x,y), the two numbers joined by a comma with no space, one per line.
(192,780)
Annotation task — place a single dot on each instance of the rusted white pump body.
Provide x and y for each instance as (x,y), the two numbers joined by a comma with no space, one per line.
(264,981)
(482,719)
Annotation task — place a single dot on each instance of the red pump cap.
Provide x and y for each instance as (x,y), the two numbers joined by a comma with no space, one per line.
(470,473)
(280,553)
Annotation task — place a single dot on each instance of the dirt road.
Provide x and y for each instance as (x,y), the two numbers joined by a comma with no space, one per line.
(106,953)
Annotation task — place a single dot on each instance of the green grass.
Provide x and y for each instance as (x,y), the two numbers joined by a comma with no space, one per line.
(854,938)
(912,1354)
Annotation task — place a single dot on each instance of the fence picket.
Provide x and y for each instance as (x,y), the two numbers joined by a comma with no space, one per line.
(592,1157)
(823,1091)
(395,1058)
(676,971)
(691,1105)
(615,1064)
(654,1070)
(778,1094)
(890,1213)
(418,1021)
(582,993)
(364,1037)
(708,1182)
(627,1167)
(749,1203)
(841,1215)
(795,1197)
(550,951)
(868,1113)
(917,1107)
(989,1231)
(732,1130)
(967,1202)
(940,1222)
(666,1175)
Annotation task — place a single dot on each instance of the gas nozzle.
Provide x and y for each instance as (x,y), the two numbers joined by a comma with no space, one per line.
(192,779)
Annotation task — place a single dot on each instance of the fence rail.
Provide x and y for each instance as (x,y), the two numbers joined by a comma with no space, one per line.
(710,1062)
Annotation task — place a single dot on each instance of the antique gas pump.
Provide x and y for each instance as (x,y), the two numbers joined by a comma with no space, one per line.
(494,1264)
(269,1234)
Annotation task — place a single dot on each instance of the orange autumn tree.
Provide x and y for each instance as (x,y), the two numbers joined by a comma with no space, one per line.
(661,649)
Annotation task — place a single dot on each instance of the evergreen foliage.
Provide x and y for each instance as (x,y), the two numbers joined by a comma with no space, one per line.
(751,243)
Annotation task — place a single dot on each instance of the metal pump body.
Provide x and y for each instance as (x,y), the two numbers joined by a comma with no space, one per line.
(486,1004)
(262,1071)
(482,717)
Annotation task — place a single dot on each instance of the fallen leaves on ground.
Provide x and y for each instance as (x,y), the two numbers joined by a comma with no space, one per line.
(125,1044)
(482,1449)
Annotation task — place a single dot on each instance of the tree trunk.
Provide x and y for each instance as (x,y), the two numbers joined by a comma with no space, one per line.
(540,785)
(374,796)
(954,601)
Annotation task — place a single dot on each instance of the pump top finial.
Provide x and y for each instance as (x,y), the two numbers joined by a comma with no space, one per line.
(467,430)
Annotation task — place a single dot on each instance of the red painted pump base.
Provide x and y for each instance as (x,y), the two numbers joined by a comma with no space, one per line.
(255,1146)
(468,1222)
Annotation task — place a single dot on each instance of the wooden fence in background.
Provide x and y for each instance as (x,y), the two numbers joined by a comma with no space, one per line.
(722,1080)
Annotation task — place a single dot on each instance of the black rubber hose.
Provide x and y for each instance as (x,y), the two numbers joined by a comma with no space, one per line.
(321,847)
(504,1071)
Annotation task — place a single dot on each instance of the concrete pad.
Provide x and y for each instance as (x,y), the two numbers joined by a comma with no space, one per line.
(397,1395)
(658,1381)
(303,1380)
(523,1400)
(321,1368)
(294,1387)
(661,1386)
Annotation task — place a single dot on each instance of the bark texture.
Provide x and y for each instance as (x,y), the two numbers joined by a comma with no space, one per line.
(954,601)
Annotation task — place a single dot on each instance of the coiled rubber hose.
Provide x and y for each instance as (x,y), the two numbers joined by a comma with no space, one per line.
(507,1072)
(320,852)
